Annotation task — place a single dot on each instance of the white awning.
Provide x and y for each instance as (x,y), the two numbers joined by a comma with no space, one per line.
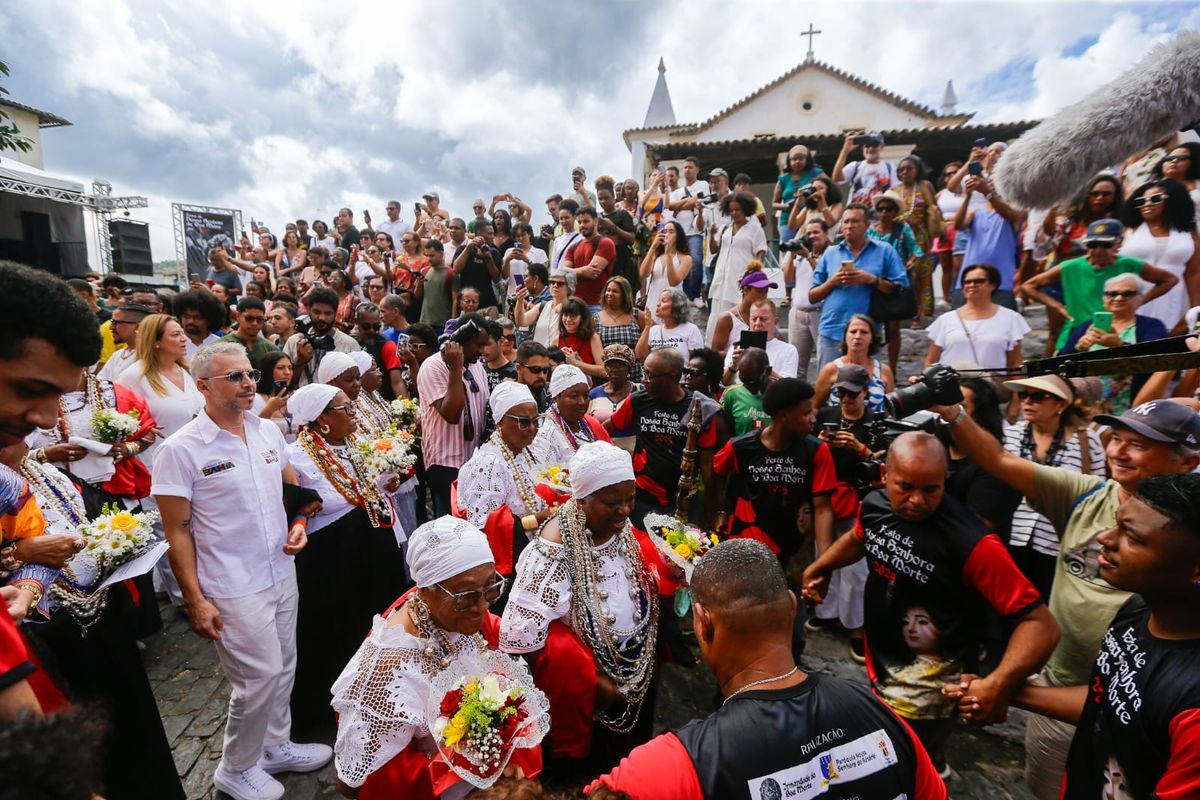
(24,179)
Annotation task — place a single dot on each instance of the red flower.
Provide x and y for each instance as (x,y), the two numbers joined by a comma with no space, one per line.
(451,702)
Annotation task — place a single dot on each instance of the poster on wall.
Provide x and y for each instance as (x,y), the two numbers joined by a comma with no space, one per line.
(198,229)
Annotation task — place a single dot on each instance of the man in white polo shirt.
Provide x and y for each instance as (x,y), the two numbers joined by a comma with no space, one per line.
(782,356)
(218,483)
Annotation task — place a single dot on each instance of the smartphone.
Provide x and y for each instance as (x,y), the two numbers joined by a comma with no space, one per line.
(830,429)
(661,169)
(847,265)
(1102,320)
(519,279)
(278,386)
(981,143)
(975,168)
(753,339)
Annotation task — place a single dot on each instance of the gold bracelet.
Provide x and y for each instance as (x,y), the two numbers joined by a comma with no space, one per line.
(33,588)
(529,522)
(8,558)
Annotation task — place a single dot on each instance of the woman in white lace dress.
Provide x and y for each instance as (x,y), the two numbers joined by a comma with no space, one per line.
(497,486)
(567,426)
(584,610)
(384,747)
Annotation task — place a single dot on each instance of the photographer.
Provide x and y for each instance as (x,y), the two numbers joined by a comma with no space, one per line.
(804,318)
(846,428)
(871,176)
(684,203)
(819,200)
(309,345)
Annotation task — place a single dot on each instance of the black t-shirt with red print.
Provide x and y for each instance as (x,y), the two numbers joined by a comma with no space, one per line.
(768,489)
(1139,735)
(928,586)
(661,435)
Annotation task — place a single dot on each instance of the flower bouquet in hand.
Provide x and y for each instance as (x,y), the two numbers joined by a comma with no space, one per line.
(681,543)
(113,539)
(481,709)
(405,414)
(390,453)
(110,426)
(555,477)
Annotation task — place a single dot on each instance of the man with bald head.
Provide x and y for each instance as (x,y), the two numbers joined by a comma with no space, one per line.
(743,402)
(933,569)
(778,727)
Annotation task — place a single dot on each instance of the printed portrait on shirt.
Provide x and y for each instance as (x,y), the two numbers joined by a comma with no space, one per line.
(1114,782)
(914,689)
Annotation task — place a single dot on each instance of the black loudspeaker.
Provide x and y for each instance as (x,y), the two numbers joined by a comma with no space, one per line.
(131,247)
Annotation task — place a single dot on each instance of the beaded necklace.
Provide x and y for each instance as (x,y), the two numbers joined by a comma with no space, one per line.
(93,395)
(630,665)
(356,491)
(439,650)
(585,432)
(533,503)
(373,411)
(69,506)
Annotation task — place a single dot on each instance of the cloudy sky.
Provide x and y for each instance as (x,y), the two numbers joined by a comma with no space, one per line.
(297,108)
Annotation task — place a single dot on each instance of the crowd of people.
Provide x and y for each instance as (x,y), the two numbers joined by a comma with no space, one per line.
(1029,544)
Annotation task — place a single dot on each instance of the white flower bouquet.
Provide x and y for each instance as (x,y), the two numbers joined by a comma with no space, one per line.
(405,413)
(110,426)
(391,453)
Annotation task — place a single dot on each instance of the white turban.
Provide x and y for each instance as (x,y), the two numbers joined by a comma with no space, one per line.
(445,547)
(307,402)
(333,364)
(564,377)
(508,395)
(363,360)
(599,464)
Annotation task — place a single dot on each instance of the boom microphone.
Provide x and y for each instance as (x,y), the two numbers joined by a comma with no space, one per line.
(1149,102)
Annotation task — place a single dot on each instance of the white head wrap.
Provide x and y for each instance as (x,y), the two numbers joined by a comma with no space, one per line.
(564,377)
(599,464)
(334,364)
(307,402)
(363,360)
(445,547)
(508,395)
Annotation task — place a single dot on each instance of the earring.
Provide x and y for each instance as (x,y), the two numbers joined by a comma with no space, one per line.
(324,429)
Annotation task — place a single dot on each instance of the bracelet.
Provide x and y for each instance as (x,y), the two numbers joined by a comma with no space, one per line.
(31,586)
(962,412)
(529,522)
(134,449)
(39,455)
(299,519)
(8,558)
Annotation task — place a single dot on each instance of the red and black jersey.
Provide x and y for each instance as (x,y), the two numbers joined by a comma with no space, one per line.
(928,585)
(1140,728)
(767,489)
(823,737)
(661,435)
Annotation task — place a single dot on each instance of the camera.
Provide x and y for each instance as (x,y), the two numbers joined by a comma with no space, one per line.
(868,140)
(937,386)
(796,244)
(868,474)
(707,199)
(808,191)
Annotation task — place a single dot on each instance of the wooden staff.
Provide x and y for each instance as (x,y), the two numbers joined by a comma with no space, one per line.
(687,466)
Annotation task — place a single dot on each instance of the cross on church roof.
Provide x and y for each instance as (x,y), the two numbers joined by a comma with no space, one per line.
(810,33)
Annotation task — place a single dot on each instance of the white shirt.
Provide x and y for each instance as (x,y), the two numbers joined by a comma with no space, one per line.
(116,364)
(192,349)
(171,411)
(236,491)
(328,243)
(687,217)
(737,250)
(783,358)
(804,276)
(517,267)
(685,338)
(333,505)
(561,244)
(395,230)
(988,342)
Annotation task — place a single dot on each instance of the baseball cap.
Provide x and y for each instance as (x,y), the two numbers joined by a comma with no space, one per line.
(431,196)
(1106,231)
(718,172)
(852,377)
(1160,421)
(757,280)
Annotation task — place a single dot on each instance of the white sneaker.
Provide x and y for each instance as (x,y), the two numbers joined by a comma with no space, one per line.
(253,784)
(292,757)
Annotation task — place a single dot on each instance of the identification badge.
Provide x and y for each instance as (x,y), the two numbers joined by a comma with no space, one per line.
(271,456)
(213,469)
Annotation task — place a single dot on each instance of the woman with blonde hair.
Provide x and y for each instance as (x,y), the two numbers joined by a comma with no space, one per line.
(160,375)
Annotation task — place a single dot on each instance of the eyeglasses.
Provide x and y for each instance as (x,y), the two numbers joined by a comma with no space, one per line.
(648,376)
(1101,245)
(370,326)
(237,376)
(1149,200)
(1173,159)
(464,601)
(342,407)
(1125,295)
(1034,397)
(524,423)
(509,337)
(886,209)
(974,281)
(536,370)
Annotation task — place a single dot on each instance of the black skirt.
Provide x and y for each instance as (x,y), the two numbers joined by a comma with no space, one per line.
(348,573)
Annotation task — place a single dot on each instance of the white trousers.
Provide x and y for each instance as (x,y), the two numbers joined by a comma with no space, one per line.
(803,334)
(844,600)
(257,649)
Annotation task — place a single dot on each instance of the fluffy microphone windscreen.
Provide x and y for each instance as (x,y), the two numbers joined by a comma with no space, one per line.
(1150,101)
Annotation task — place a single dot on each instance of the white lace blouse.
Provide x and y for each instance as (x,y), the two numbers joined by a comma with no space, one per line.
(541,594)
(551,445)
(380,698)
(486,483)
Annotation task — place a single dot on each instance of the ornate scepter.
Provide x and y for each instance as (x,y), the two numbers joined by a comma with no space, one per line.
(687,465)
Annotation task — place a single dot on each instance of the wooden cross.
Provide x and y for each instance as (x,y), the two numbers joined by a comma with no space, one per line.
(810,33)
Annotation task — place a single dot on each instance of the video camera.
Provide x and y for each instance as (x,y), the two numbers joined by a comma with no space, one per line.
(795,245)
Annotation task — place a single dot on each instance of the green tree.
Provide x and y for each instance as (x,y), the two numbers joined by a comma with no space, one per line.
(10,135)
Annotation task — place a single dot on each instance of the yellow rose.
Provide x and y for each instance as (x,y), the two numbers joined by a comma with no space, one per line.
(383,445)
(455,730)
(124,522)
(684,551)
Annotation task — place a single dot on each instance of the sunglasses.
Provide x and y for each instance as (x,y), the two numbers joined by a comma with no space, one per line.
(509,337)
(255,320)
(536,370)
(464,601)
(238,375)
(1149,200)
(848,393)
(1101,245)
(1173,159)
(691,372)
(558,283)
(524,423)
(974,281)
(1125,295)
(342,407)
(370,326)
(1035,397)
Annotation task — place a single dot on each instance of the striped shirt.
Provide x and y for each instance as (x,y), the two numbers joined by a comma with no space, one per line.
(1029,528)
(442,442)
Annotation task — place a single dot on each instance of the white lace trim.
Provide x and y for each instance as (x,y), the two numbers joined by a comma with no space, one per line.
(486,483)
